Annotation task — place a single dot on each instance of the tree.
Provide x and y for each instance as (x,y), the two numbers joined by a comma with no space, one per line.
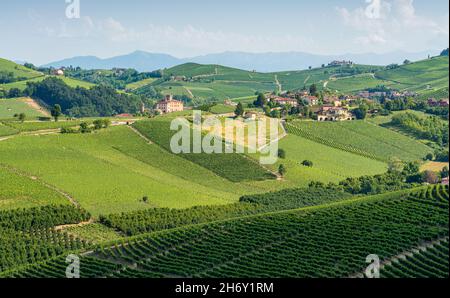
(260,100)
(282,170)
(239,110)
(361,112)
(430,177)
(444,172)
(22,117)
(56,112)
(281,153)
(84,128)
(429,156)
(313,89)
(406,62)
(275,114)
(307,163)
(395,165)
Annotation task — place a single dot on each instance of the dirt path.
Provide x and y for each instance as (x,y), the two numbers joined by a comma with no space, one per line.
(81,224)
(141,135)
(47,185)
(402,256)
(34,105)
(189,92)
(280,89)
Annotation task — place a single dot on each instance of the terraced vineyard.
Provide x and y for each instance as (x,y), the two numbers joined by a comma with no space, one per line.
(330,240)
(361,138)
(428,263)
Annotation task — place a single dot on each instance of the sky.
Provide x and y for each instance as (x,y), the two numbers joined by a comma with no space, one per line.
(48,30)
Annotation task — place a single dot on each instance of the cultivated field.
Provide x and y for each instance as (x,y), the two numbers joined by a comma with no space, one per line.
(361,138)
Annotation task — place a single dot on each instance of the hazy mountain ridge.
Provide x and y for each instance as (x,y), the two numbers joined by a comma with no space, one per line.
(262,62)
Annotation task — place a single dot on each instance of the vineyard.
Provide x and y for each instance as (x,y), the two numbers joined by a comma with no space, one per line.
(233,167)
(329,240)
(429,263)
(361,138)
(27,235)
(151,220)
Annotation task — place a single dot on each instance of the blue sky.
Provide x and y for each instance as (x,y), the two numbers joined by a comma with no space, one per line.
(40,32)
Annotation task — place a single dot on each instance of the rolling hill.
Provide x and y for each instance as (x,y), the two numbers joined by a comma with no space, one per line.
(18,70)
(206,82)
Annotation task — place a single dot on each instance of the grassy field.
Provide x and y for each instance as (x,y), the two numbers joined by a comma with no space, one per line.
(94,233)
(69,81)
(434,166)
(6,130)
(329,164)
(222,109)
(10,107)
(139,84)
(30,126)
(363,138)
(19,191)
(111,171)
(19,71)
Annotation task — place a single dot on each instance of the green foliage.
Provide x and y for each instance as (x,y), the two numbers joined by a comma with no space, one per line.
(26,235)
(430,128)
(56,112)
(80,102)
(307,163)
(239,111)
(152,220)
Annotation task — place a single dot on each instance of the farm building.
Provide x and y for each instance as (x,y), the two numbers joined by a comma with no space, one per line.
(285,101)
(58,72)
(331,113)
(311,100)
(170,105)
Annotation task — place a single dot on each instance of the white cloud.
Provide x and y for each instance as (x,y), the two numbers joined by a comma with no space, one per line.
(397,25)
(183,41)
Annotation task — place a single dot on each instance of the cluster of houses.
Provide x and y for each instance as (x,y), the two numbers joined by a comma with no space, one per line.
(386,94)
(332,108)
(340,63)
(438,103)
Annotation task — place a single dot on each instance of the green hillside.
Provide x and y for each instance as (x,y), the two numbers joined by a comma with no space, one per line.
(207,82)
(19,71)
(424,77)
(362,138)
(330,239)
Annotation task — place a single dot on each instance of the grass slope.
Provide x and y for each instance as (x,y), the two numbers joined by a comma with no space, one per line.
(362,138)
(19,71)
(110,171)
(10,107)
(19,191)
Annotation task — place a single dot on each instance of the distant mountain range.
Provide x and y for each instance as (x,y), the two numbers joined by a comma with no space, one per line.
(262,62)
